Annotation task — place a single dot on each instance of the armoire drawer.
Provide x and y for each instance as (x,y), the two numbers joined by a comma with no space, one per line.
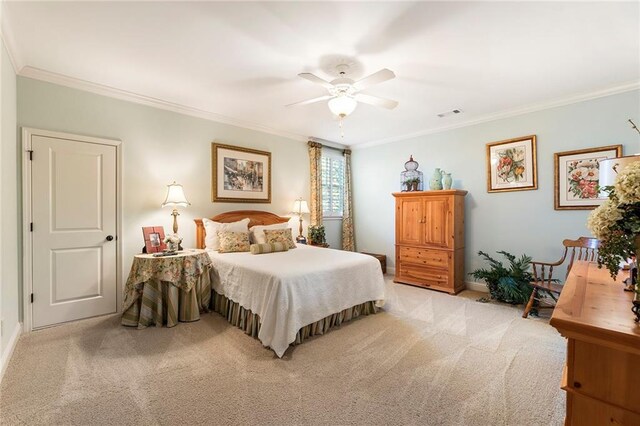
(425,257)
(424,275)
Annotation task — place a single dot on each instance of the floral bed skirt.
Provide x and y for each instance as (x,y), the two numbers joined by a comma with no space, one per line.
(249,322)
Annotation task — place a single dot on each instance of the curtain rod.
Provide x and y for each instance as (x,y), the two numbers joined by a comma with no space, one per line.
(328,144)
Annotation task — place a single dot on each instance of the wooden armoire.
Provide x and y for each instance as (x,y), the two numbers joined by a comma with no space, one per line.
(430,239)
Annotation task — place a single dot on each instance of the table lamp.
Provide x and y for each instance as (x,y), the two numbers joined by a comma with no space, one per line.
(175,198)
(300,207)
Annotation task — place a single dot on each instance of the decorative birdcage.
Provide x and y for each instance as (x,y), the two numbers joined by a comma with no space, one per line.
(411,179)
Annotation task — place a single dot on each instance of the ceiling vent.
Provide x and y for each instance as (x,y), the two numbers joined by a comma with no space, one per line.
(448,113)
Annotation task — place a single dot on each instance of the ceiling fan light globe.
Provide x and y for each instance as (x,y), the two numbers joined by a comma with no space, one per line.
(342,106)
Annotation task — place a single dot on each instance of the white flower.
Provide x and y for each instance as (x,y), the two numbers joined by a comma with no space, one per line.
(173,239)
(518,154)
(603,218)
(627,185)
(588,163)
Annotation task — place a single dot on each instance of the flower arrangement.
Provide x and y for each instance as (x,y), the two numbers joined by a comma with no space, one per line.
(173,242)
(616,223)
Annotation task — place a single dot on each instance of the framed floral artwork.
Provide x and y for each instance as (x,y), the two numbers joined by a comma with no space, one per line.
(240,175)
(511,165)
(576,177)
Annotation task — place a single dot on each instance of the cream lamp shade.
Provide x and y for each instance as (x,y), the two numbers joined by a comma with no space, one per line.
(609,169)
(342,105)
(301,207)
(175,196)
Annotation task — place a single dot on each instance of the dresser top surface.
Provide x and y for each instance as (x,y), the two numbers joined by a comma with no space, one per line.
(427,193)
(594,306)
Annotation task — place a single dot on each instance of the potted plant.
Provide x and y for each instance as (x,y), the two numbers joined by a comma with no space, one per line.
(412,184)
(316,235)
(508,284)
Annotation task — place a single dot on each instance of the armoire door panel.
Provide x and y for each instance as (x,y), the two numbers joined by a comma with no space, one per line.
(436,222)
(409,220)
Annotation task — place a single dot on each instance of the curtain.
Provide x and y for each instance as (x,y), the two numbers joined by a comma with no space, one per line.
(348,240)
(315,202)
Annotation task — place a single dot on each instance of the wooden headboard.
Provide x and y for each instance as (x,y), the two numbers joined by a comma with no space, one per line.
(256,217)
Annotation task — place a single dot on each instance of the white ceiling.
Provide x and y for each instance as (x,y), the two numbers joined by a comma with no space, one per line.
(241,60)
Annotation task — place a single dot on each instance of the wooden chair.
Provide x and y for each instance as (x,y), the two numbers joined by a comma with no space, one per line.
(583,248)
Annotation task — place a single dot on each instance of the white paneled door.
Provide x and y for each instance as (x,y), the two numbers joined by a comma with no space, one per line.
(73,190)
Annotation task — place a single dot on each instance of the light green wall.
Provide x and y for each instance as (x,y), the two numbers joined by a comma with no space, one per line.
(518,222)
(10,252)
(158,147)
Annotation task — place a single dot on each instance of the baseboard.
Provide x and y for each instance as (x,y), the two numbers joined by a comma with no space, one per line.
(391,270)
(476,286)
(8,351)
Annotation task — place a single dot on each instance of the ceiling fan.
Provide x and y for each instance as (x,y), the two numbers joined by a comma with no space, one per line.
(344,93)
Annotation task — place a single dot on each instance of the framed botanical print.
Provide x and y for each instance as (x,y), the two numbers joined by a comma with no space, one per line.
(576,177)
(511,165)
(240,175)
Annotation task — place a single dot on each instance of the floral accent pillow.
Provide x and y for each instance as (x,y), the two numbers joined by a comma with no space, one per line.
(212,228)
(280,236)
(233,241)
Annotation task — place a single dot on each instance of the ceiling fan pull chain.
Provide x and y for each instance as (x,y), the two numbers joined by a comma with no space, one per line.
(341,128)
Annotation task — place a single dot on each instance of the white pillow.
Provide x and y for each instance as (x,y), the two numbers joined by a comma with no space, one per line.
(256,233)
(211,229)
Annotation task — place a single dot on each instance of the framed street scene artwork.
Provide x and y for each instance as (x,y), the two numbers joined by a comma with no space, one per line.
(511,165)
(153,239)
(576,177)
(240,175)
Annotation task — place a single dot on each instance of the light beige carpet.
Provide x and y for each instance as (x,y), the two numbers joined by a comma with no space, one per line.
(429,358)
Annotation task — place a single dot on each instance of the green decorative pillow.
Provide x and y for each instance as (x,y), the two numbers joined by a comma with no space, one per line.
(268,248)
(233,241)
(280,236)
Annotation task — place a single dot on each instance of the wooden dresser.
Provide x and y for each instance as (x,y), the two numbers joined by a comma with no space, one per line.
(602,373)
(430,239)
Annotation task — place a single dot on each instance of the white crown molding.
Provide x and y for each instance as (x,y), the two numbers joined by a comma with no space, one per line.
(7,38)
(628,87)
(112,92)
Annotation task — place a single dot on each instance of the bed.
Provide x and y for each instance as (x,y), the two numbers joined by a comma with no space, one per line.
(284,298)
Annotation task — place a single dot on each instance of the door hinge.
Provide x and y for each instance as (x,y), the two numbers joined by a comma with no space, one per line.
(31,227)
(31,297)
(30,154)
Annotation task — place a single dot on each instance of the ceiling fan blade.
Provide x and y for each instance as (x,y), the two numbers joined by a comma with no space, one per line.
(375,78)
(315,79)
(310,101)
(376,101)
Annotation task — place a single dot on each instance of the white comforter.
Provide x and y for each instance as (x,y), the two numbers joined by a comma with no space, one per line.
(289,290)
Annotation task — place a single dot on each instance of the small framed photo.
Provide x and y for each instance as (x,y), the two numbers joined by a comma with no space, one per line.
(153,239)
(576,177)
(240,175)
(511,165)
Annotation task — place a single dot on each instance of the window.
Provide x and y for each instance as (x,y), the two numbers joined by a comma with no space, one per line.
(332,184)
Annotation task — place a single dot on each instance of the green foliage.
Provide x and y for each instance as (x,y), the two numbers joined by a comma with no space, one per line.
(507,284)
(620,242)
(316,234)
